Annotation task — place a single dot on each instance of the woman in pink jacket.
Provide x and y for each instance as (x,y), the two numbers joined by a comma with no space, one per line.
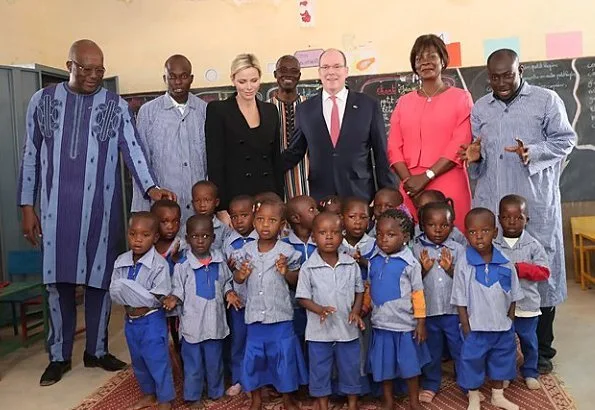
(427,128)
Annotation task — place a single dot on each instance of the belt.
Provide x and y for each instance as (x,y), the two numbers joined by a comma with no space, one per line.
(135,313)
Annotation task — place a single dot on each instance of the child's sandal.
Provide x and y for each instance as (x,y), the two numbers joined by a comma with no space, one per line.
(426,396)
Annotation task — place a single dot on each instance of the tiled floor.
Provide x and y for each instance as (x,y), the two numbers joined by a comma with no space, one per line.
(20,371)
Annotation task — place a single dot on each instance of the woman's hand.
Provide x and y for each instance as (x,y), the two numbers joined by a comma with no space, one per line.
(415,184)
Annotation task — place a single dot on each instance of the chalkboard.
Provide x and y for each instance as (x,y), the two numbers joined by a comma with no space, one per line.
(572,79)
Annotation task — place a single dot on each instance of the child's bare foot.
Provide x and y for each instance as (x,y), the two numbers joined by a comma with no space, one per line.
(256,400)
(145,402)
(164,406)
(415,406)
(388,404)
(196,405)
(289,403)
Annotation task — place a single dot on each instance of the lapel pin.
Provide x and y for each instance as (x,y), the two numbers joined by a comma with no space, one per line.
(355,106)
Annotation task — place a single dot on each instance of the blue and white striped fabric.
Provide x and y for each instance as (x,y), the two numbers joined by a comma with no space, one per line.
(537,116)
(71,151)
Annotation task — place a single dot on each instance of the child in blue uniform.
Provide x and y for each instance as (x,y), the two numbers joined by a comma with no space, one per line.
(202,285)
(330,287)
(139,282)
(268,266)
(485,291)
(385,199)
(531,264)
(438,254)
(205,200)
(301,211)
(241,212)
(397,346)
(433,195)
(172,248)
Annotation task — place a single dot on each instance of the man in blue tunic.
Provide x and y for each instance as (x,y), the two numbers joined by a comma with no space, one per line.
(522,136)
(75,132)
(172,129)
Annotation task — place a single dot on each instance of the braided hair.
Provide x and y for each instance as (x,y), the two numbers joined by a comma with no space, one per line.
(405,222)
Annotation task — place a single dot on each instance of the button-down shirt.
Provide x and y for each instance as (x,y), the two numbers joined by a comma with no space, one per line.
(201,290)
(456,235)
(175,149)
(526,249)
(268,299)
(332,286)
(180,106)
(231,246)
(327,106)
(136,284)
(437,283)
(366,246)
(222,231)
(392,279)
(487,289)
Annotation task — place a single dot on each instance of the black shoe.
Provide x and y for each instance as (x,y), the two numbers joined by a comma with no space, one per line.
(544,366)
(54,372)
(108,362)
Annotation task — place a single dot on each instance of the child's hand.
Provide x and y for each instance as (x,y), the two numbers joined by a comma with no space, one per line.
(420,331)
(175,253)
(446,261)
(281,264)
(325,311)
(170,302)
(233,299)
(357,320)
(245,270)
(357,254)
(466,329)
(364,311)
(426,262)
(231,263)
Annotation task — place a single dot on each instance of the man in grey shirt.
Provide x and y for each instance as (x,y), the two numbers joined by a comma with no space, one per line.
(171,128)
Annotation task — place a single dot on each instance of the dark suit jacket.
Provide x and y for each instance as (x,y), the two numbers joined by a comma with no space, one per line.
(241,160)
(344,170)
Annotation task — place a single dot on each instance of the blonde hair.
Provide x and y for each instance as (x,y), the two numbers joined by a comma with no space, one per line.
(244,61)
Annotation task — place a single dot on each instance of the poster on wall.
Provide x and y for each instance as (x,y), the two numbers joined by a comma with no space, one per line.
(307,13)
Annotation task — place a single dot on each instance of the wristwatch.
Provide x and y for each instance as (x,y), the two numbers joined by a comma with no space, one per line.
(430,174)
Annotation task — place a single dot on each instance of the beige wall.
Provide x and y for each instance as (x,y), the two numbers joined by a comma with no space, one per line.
(138,35)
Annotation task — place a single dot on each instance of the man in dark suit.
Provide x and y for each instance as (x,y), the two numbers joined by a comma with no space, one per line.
(338,128)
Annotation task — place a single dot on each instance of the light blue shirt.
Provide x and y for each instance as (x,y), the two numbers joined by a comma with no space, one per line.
(175,149)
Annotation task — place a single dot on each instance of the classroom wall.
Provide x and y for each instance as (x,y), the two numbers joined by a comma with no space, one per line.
(138,35)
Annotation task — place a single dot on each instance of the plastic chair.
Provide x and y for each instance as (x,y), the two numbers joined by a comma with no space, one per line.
(580,224)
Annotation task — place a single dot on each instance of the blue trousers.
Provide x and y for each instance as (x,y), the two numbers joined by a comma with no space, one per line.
(526,329)
(344,356)
(62,310)
(238,343)
(148,342)
(440,329)
(491,353)
(203,360)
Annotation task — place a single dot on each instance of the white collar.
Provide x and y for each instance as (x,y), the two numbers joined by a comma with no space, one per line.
(177,104)
(341,95)
(127,260)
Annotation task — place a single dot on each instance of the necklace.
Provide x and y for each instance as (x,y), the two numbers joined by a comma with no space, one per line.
(429,97)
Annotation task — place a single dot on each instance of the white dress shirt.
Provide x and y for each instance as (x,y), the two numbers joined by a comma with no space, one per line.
(327,106)
(180,107)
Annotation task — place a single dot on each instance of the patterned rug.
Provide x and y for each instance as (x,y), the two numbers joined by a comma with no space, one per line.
(122,391)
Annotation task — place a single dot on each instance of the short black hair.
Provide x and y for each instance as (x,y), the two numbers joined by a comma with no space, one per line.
(424,42)
(405,222)
(325,215)
(275,204)
(503,52)
(330,200)
(425,210)
(389,190)
(242,198)
(165,203)
(267,196)
(286,57)
(349,201)
(147,216)
(197,220)
(514,199)
(291,204)
(208,184)
(475,212)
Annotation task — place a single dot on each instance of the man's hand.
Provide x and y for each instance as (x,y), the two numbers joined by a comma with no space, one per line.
(30,225)
(233,299)
(520,150)
(415,184)
(156,193)
(471,152)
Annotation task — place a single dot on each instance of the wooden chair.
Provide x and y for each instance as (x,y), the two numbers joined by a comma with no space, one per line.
(580,224)
(26,295)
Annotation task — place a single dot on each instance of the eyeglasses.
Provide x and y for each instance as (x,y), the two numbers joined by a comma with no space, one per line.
(331,67)
(100,71)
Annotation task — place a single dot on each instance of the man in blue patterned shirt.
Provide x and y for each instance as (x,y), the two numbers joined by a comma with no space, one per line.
(172,128)
(522,136)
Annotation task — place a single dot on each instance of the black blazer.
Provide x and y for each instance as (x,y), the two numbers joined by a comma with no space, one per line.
(344,170)
(241,160)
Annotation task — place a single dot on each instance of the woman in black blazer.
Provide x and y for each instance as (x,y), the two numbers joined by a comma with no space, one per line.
(242,138)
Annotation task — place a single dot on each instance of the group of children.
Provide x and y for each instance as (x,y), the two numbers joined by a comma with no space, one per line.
(327,296)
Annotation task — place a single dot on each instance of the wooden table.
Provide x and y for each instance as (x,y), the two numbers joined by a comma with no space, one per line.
(585,232)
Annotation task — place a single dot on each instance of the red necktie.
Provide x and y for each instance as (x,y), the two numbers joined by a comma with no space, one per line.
(335,125)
